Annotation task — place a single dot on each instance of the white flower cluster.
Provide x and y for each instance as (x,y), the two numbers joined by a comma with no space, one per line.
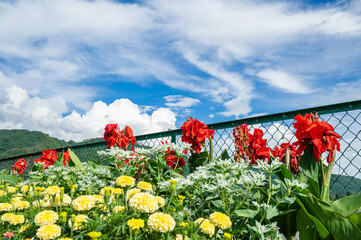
(95,178)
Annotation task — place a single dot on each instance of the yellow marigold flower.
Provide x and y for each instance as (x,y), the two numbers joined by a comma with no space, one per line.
(227,235)
(6,217)
(183,224)
(118,209)
(66,200)
(84,203)
(179,237)
(46,217)
(181,197)
(94,235)
(52,190)
(16,219)
(117,191)
(21,205)
(98,198)
(144,202)
(102,192)
(80,221)
(161,222)
(145,186)
(15,199)
(48,232)
(6,207)
(220,220)
(11,189)
(2,193)
(131,192)
(135,224)
(160,200)
(125,181)
(199,221)
(25,189)
(207,227)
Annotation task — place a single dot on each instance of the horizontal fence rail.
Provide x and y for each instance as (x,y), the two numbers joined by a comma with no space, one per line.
(344,117)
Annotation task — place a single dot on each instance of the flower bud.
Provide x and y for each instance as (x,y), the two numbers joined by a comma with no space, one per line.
(73,220)
(88,191)
(173,184)
(63,217)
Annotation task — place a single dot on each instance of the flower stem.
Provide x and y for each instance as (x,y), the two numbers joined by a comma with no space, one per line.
(327,178)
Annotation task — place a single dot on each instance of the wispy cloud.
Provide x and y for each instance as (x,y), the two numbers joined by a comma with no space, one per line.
(180,101)
(228,52)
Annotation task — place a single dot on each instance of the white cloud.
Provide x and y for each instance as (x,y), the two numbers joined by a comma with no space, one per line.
(57,45)
(180,101)
(285,81)
(19,110)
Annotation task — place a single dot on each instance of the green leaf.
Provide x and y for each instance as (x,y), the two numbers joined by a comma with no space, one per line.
(248,213)
(309,164)
(224,155)
(197,160)
(322,230)
(12,179)
(75,159)
(313,187)
(272,211)
(356,219)
(286,173)
(305,226)
(347,205)
(218,204)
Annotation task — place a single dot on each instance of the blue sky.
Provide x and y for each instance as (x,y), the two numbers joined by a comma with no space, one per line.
(68,67)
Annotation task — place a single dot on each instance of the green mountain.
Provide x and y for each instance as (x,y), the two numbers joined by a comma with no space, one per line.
(19,142)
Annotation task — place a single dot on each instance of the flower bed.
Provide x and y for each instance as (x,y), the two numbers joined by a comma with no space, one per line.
(142,193)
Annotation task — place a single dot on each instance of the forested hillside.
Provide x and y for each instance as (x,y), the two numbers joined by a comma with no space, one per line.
(18,142)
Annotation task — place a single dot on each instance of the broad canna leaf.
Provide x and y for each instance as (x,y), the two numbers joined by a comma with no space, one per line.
(356,219)
(74,158)
(309,165)
(12,179)
(347,205)
(305,226)
(322,230)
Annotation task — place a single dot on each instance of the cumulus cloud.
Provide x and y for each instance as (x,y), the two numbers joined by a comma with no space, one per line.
(19,110)
(180,101)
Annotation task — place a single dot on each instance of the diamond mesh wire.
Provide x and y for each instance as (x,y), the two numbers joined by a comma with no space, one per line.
(345,118)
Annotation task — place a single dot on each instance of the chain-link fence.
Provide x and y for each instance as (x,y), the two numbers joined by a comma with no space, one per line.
(345,117)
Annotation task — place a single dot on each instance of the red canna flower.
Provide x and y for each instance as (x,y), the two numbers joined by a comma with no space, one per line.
(195,133)
(319,134)
(173,161)
(49,157)
(19,166)
(113,136)
(250,146)
(294,158)
(66,158)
